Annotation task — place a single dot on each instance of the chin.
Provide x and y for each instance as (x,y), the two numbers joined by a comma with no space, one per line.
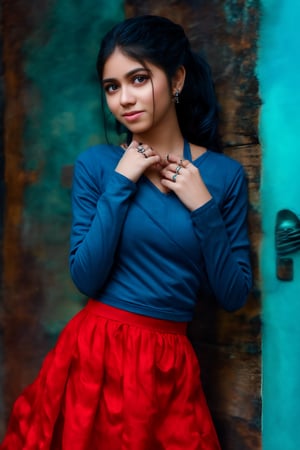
(138,130)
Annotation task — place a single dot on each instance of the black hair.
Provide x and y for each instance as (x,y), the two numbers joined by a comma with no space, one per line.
(163,43)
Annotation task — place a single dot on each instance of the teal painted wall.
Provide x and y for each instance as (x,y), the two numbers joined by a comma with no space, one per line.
(63,118)
(279,73)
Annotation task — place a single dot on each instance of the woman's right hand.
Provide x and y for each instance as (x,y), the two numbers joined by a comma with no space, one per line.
(137,158)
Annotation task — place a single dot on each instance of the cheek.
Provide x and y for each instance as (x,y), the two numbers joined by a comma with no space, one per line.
(163,94)
(111,103)
(162,99)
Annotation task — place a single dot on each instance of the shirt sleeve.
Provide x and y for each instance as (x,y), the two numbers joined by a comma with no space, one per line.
(98,219)
(223,233)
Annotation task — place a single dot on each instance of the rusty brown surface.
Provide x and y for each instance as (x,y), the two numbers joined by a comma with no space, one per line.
(22,296)
(229,345)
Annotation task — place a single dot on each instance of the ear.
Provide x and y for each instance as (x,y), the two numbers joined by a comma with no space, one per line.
(178,80)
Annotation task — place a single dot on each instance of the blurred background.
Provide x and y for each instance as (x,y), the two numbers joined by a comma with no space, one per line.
(50,112)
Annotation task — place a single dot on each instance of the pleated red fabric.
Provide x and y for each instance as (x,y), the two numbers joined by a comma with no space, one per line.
(115,381)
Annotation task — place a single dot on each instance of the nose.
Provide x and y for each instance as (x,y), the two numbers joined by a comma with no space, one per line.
(126,96)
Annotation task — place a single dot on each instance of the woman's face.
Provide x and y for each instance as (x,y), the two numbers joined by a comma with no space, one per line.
(139,97)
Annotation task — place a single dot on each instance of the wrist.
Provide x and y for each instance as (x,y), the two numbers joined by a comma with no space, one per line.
(200,202)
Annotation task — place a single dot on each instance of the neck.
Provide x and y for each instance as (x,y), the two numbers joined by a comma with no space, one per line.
(163,143)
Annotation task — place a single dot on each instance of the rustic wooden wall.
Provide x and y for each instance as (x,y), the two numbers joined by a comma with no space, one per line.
(229,345)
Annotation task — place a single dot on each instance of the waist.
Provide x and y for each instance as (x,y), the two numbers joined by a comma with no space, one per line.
(120,315)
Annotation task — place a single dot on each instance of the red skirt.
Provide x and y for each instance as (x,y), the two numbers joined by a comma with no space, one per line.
(115,381)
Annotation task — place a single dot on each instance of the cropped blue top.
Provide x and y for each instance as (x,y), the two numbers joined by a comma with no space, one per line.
(138,249)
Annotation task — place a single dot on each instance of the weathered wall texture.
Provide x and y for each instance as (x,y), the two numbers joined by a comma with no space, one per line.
(229,345)
(52,113)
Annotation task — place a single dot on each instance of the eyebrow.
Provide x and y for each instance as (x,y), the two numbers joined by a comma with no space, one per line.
(127,75)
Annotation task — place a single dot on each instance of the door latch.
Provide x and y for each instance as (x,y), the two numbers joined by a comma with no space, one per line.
(287,242)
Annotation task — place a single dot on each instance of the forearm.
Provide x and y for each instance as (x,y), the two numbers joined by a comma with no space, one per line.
(95,234)
(226,260)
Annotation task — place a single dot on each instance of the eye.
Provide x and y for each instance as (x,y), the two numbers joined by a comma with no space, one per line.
(140,79)
(109,88)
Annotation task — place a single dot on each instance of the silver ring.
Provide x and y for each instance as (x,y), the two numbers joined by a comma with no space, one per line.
(174,177)
(140,148)
(178,169)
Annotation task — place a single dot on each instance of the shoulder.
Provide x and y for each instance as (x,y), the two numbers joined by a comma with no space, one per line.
(220,165)
(213,158)
(95,165)
(222,174)
(100,155)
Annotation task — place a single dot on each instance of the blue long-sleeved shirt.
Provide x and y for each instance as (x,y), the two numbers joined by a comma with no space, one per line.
(142,250)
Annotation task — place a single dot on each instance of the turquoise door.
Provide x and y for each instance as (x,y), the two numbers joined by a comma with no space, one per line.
(278,73)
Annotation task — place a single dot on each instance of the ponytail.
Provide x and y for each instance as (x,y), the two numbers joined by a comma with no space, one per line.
(197,110)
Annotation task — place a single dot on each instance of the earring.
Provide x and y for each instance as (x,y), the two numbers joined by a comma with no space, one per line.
(176,96)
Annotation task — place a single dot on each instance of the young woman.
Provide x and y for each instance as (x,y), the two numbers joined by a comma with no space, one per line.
(155,222)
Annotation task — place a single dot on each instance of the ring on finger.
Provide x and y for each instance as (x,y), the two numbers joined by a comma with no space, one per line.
(140,149)
(177,170)
(174,177)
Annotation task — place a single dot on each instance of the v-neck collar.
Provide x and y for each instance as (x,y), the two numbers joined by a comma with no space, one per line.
(186,155)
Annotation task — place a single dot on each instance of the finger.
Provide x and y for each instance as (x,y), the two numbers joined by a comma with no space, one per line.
(169,184)
(145,150)
(185,163)
(132,145)
(148,152)
(174,159)
(141,148)
(169,175)
(178,169)
(138,146)
(152,161)
(172,169)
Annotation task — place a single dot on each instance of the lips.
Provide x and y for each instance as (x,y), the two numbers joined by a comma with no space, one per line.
(132,115)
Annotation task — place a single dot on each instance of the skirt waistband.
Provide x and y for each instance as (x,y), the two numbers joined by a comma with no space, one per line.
(120,315)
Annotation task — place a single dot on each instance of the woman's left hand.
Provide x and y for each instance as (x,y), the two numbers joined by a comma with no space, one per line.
(184,179)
